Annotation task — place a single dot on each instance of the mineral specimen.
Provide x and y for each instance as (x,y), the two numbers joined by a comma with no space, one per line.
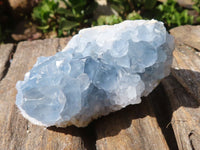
(101,70)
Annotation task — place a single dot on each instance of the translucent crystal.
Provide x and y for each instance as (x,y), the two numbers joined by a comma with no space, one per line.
(101,70)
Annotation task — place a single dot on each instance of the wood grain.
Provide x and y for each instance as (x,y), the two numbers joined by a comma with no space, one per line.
(134,127)
(184,91)
(5,51)
(188,35)
(186,68)
(185,115)
(16,132)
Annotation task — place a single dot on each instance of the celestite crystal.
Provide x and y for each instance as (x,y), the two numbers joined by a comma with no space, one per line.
(101,70)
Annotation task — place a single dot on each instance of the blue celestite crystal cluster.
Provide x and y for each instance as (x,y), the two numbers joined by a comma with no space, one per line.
(101,70)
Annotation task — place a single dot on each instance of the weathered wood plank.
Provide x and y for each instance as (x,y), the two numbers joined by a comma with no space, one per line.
(186,68)
(162,109)
(5,51)
(134,127)
(189,35)
(16,132)
(185,117)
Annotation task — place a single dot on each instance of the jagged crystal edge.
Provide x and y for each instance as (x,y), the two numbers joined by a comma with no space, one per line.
(101,70)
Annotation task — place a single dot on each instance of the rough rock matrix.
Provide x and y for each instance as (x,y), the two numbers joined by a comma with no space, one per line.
(101,70)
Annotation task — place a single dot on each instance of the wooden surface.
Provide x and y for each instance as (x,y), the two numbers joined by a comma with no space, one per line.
(135,130)
(134,127)
(185,119)
(169,118)
(16,132)
(188,35)
(186,68)
(5,53)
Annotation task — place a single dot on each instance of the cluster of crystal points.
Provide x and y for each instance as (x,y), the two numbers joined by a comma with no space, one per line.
(101,70)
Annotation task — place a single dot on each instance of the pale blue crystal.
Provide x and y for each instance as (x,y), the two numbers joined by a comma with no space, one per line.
(102,69)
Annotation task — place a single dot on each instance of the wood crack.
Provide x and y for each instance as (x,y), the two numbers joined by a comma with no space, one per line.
(8,62)
(163,112)
(190,139)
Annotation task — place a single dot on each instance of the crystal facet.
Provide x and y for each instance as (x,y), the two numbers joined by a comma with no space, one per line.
(101,70)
